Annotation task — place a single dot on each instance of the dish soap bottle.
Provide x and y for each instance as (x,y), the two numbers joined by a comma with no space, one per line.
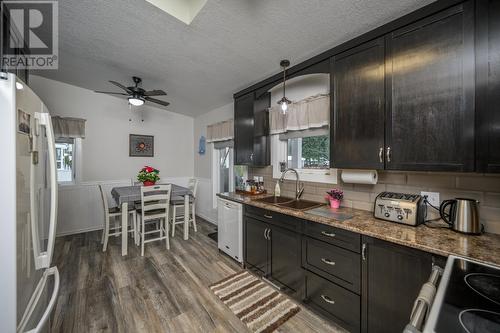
(277,190)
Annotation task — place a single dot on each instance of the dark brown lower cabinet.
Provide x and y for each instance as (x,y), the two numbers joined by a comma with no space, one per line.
(392,278)
(256,248)
(361,283)
(285,258)
(334,301)
(274,252)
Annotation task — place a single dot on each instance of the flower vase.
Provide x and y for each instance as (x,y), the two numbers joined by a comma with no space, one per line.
(148,183)
(334,203)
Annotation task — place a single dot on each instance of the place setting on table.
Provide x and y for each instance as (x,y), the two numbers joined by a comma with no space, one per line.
(128,198)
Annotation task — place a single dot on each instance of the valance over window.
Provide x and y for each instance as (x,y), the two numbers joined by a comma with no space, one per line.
(221,131)
(311,112)
(68,127)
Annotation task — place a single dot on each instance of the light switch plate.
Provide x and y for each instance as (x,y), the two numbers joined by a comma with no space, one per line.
(432,197)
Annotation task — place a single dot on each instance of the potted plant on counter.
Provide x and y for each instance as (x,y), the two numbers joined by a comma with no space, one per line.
(335,196)
(148,176)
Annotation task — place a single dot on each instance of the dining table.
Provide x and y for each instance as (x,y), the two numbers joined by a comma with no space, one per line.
(125,195)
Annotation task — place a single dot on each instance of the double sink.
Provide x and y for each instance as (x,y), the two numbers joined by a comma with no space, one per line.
(290,203)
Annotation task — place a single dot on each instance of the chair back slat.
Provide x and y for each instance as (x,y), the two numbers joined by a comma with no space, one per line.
(193,186)
(104,198)
(156,197)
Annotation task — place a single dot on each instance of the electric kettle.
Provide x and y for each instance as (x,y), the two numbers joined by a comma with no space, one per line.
(462,215)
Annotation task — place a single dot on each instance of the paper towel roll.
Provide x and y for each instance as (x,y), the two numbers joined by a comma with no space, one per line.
(360,177)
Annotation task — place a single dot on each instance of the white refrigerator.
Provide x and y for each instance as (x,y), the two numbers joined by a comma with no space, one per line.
(29,283)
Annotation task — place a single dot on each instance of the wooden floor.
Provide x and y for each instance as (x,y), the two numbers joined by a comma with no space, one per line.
(164,291)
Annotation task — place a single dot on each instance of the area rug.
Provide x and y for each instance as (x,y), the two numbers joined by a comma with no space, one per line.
(259,306)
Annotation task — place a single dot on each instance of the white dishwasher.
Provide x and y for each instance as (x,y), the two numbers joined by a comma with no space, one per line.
(230,228)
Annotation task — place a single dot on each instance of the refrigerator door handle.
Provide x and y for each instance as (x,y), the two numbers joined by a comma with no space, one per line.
(43,259)
(35,298)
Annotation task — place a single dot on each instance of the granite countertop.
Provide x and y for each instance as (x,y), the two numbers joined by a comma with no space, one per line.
(484,248)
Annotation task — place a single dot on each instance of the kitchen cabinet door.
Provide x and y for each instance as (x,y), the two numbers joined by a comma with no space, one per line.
(256,245)
(243,129)
(357,82)
(392,278)
(430,93)
(285,258)
(488,85)
(261,141)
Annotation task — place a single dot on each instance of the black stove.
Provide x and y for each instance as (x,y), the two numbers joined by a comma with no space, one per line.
(468,299)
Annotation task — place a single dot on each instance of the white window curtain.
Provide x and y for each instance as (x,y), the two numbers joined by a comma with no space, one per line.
(65,127)
(309,113)
(222,131)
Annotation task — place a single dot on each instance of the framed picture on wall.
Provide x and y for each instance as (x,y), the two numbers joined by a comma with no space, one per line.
(141,145)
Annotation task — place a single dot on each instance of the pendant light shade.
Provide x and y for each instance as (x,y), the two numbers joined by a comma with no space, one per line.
(284,102)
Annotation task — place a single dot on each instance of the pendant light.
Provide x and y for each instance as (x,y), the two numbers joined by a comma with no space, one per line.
(284,102)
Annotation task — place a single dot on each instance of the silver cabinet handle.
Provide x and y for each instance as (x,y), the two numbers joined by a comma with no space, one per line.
(327,299)
(328,261)
(265,233)
(388,154)
(363,251)
(329,234)
(268,216)
(269,234)
(381,154)
(251,157)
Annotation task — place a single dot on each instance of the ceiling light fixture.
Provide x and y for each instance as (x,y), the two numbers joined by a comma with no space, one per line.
(19,86)
(136,100)
(284,102)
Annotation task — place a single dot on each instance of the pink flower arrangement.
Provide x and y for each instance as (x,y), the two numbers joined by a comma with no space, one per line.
(335,194)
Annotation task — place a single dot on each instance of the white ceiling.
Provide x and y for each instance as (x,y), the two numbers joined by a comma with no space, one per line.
(228,46)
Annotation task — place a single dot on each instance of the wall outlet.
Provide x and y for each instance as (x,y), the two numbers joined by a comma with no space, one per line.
(432,197)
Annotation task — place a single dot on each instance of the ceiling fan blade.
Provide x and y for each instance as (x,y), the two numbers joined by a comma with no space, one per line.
(121,86)
(155,93)
(157,101)
(111,93)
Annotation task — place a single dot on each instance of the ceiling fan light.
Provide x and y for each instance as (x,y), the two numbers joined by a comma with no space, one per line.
(136,101)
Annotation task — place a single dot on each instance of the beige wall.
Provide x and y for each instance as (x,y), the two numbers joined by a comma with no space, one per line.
(485,188)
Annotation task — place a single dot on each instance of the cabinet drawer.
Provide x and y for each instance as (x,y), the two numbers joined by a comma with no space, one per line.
(271,217)
(332,262)
(343,238)
(334,301)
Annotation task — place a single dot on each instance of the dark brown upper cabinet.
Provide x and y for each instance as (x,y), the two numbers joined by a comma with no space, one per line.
(430,93)
(358,99)
(488,85)
(251,130)
(261,141)
(243,129)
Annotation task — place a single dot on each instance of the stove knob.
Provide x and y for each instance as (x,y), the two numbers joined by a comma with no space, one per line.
(387,214)
(400,217)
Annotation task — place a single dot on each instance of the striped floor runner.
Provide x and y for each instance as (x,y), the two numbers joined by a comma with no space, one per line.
(260,307)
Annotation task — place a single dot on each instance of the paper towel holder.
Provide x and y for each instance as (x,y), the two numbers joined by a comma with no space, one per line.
(368,177)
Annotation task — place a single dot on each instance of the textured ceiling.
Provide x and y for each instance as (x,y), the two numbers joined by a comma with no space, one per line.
(228,46)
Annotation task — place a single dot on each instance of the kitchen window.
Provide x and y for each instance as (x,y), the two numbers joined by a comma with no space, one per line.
(309,152)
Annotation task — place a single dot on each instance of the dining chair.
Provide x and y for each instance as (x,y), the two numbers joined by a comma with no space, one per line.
(178,204)
(114,213)
(155,204)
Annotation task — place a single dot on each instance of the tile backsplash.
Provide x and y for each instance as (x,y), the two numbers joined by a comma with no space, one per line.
(483,187)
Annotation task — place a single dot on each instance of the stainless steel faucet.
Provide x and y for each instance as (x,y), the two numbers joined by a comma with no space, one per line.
(298,192)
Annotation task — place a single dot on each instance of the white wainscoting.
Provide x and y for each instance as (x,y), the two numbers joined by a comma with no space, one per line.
(80,206)
(204,201)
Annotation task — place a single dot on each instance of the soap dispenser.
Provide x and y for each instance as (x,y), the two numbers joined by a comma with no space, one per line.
(277,190)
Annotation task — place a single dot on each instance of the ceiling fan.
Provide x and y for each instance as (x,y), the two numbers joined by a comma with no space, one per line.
(136,95)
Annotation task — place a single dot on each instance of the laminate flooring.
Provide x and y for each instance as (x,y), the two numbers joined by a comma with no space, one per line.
(164,291)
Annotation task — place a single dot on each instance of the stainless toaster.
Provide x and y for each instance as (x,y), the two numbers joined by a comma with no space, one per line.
(400,207)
